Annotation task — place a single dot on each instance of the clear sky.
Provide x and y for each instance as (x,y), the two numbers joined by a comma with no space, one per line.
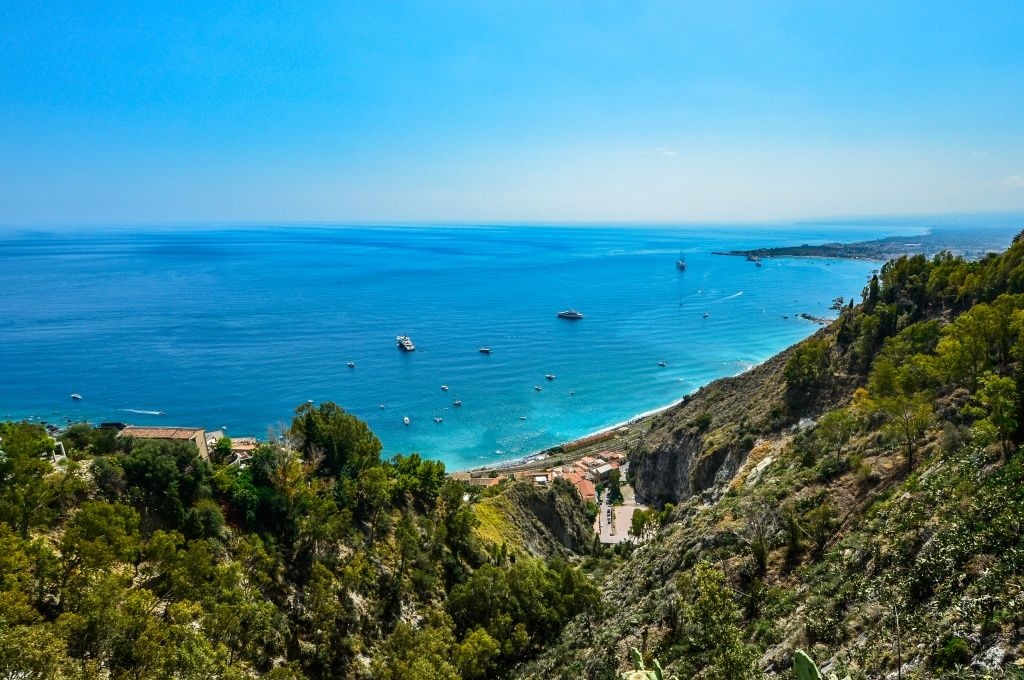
(486,110)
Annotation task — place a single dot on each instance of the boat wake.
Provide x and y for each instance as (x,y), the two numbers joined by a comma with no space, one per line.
(142,411)
(729,297)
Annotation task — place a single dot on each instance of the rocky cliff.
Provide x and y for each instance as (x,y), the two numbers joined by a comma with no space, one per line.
(699,444)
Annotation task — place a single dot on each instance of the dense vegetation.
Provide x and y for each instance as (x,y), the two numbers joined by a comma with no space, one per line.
(876,520)
(139,559)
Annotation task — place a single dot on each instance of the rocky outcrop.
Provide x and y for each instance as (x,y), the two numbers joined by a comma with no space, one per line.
(700,444)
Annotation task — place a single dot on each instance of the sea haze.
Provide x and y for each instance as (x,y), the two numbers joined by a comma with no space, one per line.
(236,327)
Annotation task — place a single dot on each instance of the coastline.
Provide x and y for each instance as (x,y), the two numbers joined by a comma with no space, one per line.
(619,434)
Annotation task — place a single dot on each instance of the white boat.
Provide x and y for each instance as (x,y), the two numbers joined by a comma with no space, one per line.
(570,314)
(538,388)
(405,419)
(522,417)
(76,396)
(457,402)
(351,364)
(484,350)
(662,364)
(381,406)
(444,387)
(438,420)
(550,376)
(405,343)
(681,263)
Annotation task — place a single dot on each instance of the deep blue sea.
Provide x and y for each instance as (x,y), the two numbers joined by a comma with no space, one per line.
(235,327)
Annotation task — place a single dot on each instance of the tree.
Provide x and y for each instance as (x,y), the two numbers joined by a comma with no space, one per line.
(906,419)
(710,619)
(615,486)
(999,397)
(346,444)
(222,450)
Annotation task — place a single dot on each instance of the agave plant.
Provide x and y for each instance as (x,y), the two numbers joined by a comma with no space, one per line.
(805,668)
(641,672)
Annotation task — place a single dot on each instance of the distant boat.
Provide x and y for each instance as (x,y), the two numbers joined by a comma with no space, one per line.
(76,396)
(444,387)
(681,263)
(405,343)
(705,315)
(351,364)
(570,314)
(484,350)
(758,263)
(438,420)
(550,376)
(457,402)
(522,417)
(381,406)
(405,419)
(538,388)
(662,363)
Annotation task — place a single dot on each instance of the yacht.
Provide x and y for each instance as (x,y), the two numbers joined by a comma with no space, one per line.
(457,402)
(538,388)
(444,387)
(351,364)
(484,350)
(405,343)
(570,314)
(76,396)
(438,419)
(405,419)
(662,364)
(550,376)
(681,263)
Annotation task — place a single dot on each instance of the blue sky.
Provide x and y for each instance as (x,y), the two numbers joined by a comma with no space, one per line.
(122,112)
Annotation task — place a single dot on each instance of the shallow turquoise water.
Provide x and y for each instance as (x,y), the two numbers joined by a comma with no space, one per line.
(236,327)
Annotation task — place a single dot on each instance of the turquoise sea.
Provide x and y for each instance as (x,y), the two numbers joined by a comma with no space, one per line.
(235,327)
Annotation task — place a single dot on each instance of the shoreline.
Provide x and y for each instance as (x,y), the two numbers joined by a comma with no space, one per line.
(578,447)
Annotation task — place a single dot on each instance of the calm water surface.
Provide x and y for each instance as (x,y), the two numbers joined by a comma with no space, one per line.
(236,327)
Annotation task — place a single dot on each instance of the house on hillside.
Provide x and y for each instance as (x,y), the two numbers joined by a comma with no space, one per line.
(196,435)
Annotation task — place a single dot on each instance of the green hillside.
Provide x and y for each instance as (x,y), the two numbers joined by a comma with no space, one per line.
(865,500)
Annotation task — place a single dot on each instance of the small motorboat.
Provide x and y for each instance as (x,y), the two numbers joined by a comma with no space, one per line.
(705,315)
(538,388)
(438,420)
(484,350)
(444,387)
(550,376)
(76,396)
(572,392)
(522,417)
(381,406)
(457,402)
(662,364)
(405,419)
(351,364)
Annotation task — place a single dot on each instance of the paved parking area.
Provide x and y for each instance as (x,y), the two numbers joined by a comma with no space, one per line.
(613,521)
